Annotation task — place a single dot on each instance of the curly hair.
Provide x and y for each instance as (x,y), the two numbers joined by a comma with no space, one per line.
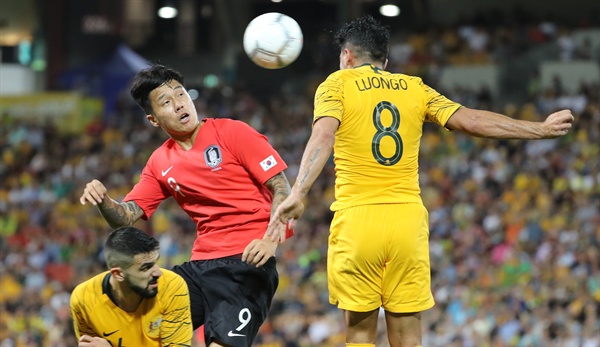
(368,38)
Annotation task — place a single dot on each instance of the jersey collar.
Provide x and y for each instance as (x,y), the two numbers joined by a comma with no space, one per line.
(365,64)
(106,289)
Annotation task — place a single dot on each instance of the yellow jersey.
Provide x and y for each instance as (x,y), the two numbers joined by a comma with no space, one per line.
(164,320)
(376,148)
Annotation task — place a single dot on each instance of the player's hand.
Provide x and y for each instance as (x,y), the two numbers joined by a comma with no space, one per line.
(558,124)
(88,341)
(259,251)
(285,217)
(95,192)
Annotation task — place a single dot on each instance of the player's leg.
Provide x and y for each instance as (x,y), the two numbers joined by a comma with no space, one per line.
(407,279)
(361,328)
(238,299)
(355,263)
(404,329)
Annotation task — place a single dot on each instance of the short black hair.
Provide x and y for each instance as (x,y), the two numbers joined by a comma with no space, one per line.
(367,36)
(125,243)
(146,80)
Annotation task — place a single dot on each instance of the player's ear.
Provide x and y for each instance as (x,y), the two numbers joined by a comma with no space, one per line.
(347,57)
(152,119)
(117,273)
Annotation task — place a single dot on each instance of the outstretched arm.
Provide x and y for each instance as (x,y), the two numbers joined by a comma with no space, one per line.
(116,214)
(317,152)
(259,251)
(488,124)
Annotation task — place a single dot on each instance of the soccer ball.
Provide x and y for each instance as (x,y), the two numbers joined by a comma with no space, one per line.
(273,40)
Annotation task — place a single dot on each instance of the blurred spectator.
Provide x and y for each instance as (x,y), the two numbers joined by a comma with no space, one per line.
(566,45)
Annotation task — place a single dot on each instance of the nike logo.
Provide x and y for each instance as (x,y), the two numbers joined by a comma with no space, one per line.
(232,334)
(108,334)
(164,172)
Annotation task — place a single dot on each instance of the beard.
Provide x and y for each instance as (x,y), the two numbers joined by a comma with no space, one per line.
(145,292)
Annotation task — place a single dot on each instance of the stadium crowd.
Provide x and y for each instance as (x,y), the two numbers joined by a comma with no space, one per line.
(515,226)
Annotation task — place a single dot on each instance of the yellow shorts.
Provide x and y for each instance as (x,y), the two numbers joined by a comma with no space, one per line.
(379,256)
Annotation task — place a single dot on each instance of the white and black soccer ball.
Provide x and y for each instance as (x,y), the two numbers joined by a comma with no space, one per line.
(273,40)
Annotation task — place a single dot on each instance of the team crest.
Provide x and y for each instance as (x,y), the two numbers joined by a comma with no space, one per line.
(213,156)
(153,326)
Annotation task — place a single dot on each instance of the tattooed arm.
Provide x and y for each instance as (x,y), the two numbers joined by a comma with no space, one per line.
(317,152)
(117,214)
(280,188)
(259,251)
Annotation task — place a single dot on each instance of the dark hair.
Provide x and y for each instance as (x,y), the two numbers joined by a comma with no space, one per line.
(367,36)
(125,243)
(146,80)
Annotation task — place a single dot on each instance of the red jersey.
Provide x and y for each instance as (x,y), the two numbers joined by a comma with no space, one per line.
(218,182)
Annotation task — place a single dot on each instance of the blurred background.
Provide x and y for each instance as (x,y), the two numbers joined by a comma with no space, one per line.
(515,226)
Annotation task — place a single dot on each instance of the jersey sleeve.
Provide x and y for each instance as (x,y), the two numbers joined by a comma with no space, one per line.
(253,151)
(439,109)
(147,193)
(77,307)
(329,99)
(176,326)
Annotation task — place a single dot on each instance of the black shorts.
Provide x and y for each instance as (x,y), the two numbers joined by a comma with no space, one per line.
(229,297)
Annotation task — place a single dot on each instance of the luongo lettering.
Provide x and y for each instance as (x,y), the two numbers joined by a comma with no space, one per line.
(381,82)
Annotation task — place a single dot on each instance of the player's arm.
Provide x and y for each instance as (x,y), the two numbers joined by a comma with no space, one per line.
(92,341)
(258,252)
(279,186)
(116,214)
(317,152)
(176,327)
(488,124)
(80,324)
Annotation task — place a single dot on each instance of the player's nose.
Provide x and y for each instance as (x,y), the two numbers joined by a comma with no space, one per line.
(157,272)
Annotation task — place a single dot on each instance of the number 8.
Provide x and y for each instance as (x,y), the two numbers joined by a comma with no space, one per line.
(382,131)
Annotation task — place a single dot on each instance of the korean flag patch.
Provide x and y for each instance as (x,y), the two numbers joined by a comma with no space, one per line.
(268,163)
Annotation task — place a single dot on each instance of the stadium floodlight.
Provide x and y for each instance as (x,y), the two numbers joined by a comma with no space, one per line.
(167,11)
(389,10)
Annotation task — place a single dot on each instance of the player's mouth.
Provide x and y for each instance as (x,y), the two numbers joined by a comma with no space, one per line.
(184,118)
